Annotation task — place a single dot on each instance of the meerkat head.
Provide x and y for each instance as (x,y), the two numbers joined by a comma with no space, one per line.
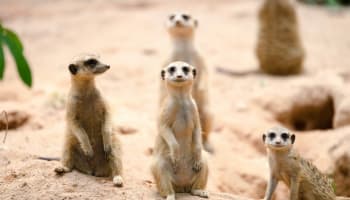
(178,74)
(181,24)
(278,138)
(87,66)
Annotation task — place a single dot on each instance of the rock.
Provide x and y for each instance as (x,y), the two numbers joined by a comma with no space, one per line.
(14,120)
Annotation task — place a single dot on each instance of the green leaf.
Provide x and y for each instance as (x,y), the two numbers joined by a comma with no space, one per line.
(13,36)
(2,61)
(16,49)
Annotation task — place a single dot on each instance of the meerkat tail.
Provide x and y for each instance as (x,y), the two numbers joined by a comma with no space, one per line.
(49,158)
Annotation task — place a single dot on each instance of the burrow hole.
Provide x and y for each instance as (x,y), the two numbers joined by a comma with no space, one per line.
(311,115)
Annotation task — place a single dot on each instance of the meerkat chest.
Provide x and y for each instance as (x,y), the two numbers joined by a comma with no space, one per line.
(183,123)
(90,111)
(282,169)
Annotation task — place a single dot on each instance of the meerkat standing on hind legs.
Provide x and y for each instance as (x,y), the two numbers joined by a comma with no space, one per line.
(279,48)
(90,146)
(178,162)
(181,28)
(304,180)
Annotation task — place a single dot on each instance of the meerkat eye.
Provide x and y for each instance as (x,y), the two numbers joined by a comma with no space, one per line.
(185,69)
(171,17)
(90,62)
(272,135)
(186,17)
(285,136)
(172,69)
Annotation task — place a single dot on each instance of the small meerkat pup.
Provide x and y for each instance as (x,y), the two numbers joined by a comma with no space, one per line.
(304,180)
(178,162)
(90,145)
(181,28)
(279,48)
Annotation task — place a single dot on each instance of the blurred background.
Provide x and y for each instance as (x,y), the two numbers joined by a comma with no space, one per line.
(130,35)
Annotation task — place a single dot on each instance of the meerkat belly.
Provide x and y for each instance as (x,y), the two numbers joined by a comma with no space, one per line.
(183,129)
(93,124)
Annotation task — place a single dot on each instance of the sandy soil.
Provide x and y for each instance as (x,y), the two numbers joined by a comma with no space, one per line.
(130,36)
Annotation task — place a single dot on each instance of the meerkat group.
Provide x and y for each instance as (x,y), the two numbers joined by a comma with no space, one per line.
(184,120)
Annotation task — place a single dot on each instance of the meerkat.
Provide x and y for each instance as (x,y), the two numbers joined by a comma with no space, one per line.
(279,48)
(90,146)
(181,28)
(178,162)
(304,180)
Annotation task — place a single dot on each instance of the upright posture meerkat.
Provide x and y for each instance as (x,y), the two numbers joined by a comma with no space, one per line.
(90,146)
(181,28)
(179,165)
(279,48)
(301,176)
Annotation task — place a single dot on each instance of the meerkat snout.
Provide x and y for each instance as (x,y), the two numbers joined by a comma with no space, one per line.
(278,138)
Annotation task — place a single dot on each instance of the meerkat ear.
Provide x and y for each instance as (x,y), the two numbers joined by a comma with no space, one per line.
(292,138)
(162,74)
(196,23)
(73,69)
(194,72)
(264,137)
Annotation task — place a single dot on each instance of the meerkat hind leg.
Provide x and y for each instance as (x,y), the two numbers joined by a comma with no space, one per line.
(198,187)
(206,123)
(115,162)
(163,178)
(67,160)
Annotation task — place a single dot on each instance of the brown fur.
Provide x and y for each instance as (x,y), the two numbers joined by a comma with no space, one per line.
(178,163)
(185,51)
(279,48)
(90,146)
(303,179)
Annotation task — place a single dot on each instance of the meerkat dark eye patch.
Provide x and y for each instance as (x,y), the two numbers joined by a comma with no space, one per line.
(185,69)
(90,62)
(272,135)
(285,136)
(186,17)
(194,72)
(73,69)
(172,70)
(171,17)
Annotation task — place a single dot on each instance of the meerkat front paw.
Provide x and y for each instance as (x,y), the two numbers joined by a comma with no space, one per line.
(88,150)
(200,193)
(107,148)
(175,164)
(197,166)
(118,181)
(175,158)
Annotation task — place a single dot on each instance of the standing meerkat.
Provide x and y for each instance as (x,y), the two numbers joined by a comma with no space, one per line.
(304,180)
(181,28)
(178,163)
(90,145)
(279,47)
